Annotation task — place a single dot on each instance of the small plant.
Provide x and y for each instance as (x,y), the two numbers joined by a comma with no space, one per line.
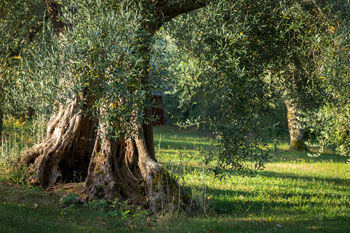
(18,174)
(116,208)
(98,205)
(77,177)
(71,200)
(120,209)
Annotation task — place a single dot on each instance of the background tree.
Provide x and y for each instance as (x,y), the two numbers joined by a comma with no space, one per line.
(290,39)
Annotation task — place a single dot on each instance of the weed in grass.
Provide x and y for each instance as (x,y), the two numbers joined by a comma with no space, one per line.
(19,174)
(71,200)
(119,209)
(115,209)
(97,205)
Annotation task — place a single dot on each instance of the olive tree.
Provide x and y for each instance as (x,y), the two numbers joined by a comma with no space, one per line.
(100,128)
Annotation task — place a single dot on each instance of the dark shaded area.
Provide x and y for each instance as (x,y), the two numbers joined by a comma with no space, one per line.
(340,225)
(158,112)
(29,113)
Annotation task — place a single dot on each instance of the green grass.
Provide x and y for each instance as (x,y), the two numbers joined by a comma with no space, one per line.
(294,193)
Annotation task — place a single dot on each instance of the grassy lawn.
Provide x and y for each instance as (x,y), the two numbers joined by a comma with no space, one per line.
(295,193)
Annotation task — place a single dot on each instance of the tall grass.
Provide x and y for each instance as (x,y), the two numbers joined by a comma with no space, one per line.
(18,135)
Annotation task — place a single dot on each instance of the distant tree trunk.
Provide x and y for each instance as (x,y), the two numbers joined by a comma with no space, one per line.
(295,126)
(77,143)
(1,119)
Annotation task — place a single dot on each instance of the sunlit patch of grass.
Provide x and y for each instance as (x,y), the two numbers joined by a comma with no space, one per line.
(293,189)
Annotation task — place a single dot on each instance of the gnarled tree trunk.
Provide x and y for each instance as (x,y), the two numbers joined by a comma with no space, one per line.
(295,126)
(65,152)
(125,169)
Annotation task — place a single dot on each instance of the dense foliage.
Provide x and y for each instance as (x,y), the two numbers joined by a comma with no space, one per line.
(24,45)
(104,56)
(330,124)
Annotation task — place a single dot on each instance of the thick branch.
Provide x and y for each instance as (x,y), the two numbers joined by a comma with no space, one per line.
(171,8)
(53,10)
(35,29)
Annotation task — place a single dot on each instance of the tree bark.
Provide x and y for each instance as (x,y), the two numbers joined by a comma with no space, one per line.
(295,126)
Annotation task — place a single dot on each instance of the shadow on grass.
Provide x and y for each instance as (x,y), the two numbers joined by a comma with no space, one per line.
(303,200)
(337,181)
(232,215)
(293,155)
(244,203)
(183,168)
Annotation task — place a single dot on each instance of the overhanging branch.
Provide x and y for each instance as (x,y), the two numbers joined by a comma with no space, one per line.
(170,8)
(53,10)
